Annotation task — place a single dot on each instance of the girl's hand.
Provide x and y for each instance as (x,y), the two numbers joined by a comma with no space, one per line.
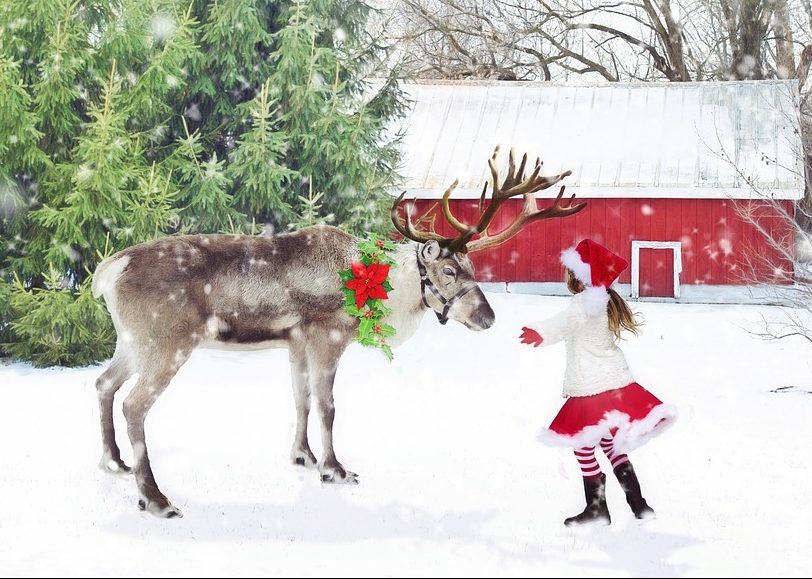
(531,337)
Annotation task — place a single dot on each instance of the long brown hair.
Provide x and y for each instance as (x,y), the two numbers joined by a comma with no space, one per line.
(621,316)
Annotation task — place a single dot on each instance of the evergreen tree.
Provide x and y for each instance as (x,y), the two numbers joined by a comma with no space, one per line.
(256,169)
(206,189)
(123,120)
(334,131)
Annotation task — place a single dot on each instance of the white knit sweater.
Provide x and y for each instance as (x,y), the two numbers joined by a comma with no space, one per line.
(595,364)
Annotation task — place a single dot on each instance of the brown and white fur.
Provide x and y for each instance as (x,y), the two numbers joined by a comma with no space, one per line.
(172,295)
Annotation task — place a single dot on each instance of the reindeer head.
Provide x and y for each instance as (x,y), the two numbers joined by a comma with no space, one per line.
(446,273)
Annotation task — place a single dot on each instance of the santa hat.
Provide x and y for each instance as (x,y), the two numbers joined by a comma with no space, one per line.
(597,268)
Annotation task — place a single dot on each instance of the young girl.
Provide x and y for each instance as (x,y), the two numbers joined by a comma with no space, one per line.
(604,404)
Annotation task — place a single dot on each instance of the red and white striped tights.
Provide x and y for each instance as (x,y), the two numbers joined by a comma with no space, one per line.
(589,464)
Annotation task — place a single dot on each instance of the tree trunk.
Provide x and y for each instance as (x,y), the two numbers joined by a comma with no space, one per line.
(751,31)
(785,61)
(673,42)
(805,88)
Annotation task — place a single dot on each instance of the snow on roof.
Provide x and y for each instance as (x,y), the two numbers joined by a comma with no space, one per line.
(619,140)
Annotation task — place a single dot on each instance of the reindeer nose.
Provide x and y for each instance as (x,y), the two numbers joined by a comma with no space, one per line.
(484,316)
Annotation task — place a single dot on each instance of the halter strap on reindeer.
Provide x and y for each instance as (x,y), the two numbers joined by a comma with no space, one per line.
(513,185)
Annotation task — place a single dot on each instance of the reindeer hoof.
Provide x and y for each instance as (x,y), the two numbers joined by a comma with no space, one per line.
(113,466)
(303,458)
(168,512)
(174,513)
(337,475)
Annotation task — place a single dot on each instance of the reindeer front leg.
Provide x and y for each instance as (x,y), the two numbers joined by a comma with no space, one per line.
(322,361)
(300,454)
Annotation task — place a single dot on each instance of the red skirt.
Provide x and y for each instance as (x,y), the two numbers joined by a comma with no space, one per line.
(632,415)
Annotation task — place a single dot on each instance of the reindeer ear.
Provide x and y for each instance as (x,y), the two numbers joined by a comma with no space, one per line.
(430,251)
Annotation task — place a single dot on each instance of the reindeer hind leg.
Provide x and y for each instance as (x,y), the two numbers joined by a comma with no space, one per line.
(111,380)
(150,385)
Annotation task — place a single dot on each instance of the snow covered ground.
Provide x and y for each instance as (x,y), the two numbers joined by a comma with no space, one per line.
(453,481)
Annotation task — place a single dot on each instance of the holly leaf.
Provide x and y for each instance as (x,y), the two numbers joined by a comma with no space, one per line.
(349,298)
(365,327)
(387,331)
(387,351)
(379,310)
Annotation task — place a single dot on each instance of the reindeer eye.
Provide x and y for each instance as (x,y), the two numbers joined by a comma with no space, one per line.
(449,271)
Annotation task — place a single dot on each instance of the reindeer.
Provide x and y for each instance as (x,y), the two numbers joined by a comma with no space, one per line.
(177,293)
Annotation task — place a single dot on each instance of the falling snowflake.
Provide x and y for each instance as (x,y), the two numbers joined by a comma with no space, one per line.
(339,35)
(84,173)
(10,201)
(726,246)
(158,132)
(316,80)
(193,112)
(746,66)
(646,209)
(18,23)
(71,253)
(162,27)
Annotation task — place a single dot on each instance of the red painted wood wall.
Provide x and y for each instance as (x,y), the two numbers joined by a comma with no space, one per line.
(718,245)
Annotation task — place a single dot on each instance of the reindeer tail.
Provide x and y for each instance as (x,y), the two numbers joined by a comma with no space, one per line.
(107,273)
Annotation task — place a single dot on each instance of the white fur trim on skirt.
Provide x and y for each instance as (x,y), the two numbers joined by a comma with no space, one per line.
(630,434)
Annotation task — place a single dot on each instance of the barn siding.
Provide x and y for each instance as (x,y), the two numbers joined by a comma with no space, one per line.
(716,242)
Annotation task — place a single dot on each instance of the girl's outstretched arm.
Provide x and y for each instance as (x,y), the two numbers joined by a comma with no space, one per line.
(552,330)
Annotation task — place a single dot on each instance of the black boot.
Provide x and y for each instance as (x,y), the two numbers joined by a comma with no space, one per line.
(596,510)
(631,486)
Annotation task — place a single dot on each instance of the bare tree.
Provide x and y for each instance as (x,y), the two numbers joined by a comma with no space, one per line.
(675,40)
(791,287)
(779,259)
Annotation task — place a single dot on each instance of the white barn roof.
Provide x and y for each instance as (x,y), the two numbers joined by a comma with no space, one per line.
(619,140)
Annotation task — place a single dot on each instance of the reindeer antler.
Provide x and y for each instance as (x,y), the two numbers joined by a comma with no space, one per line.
(408,230)
(514,184)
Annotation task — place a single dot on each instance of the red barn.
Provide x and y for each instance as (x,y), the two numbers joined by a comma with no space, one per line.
(666,168)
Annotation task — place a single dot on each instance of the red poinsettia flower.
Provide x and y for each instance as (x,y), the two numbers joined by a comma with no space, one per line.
(367,282)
